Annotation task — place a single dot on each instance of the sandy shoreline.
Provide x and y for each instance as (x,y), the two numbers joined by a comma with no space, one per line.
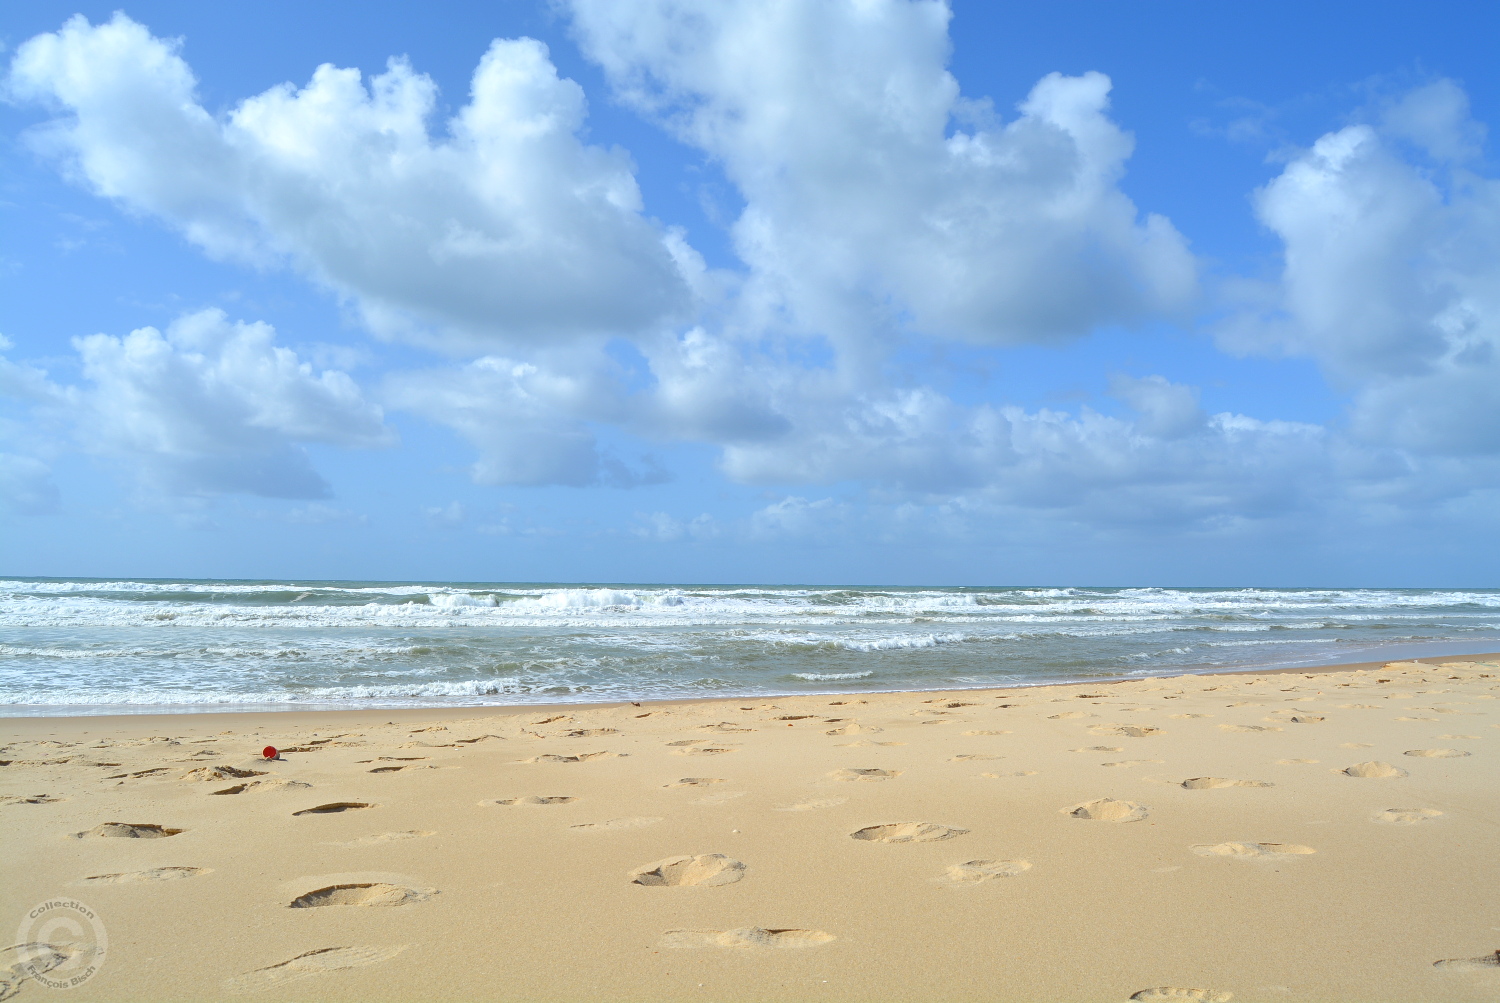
(1086,841)
(458,711)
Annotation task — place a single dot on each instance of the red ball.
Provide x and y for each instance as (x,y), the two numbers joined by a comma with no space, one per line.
(269,752)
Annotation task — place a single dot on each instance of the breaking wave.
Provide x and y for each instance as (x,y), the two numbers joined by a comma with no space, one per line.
(70,644)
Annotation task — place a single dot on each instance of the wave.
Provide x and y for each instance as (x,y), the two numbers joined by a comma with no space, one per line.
(829,677)
(314,695)
(293,643)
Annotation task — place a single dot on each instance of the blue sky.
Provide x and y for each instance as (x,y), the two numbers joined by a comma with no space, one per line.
(876,292)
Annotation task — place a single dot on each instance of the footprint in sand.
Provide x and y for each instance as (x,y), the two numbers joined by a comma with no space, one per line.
(1247,728)
(975,871)
(720,798)
(582,757)
(1100,748)
(29,799)
(1294,762)
(1068,715)
(321,961)
(1017,773)
(705,870)
(747,937)
(864,774)
(1406,816)
(1127,730)
(987,733)
(334,807)
(1437,753)
(361,893)
(1458,736)
(701,750)
(854,729)
(533,799)
(136,877)
(1355,745)
(387,837)
(696,782)
(1374,768)
(280,784)
(1251,851)
(632,822)
(1214,783)
(217,773)
(1483,963)
(1185,717)
(907,832)
(1108,810)
(1133,762)
(21,962)
(973,757)
(815,803)
(1294,716)
(1164,993)
(128,830)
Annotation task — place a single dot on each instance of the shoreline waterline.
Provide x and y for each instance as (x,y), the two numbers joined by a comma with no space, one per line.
(288,715)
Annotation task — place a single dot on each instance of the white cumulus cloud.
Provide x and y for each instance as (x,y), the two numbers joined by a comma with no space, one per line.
(213,406)
(505,228)
(1391,276)
(866,205)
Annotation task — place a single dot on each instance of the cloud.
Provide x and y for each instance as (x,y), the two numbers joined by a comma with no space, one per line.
(866,207)
(214,406)
(505,230)
(451,514)
(26,486)
(1166,410)
(797,518)
(664,528)
(319,514)
(1170,464)
(884,216)
(530,422)
(1391,275)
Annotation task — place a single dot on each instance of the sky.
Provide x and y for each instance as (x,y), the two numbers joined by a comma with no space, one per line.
(861,292)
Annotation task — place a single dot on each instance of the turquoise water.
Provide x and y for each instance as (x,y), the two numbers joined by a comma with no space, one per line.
(92,646)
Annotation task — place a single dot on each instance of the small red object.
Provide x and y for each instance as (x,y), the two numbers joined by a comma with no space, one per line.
(269,752)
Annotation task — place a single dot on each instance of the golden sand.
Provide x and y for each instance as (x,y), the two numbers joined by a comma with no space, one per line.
(1315,835)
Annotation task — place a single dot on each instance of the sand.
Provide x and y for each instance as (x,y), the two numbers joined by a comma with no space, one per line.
(1316,835)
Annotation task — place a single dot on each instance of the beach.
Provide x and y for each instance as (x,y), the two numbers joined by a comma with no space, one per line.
(1319,834)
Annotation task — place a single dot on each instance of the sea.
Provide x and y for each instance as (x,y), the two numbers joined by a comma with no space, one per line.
(95,646)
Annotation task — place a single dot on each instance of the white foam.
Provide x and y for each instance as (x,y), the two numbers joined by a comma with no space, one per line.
(829,677)
(453,600)
(127,643)
(899,642)
(313,695)
(583,598)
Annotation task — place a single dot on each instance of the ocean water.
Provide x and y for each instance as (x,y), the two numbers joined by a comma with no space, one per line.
(93,646)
